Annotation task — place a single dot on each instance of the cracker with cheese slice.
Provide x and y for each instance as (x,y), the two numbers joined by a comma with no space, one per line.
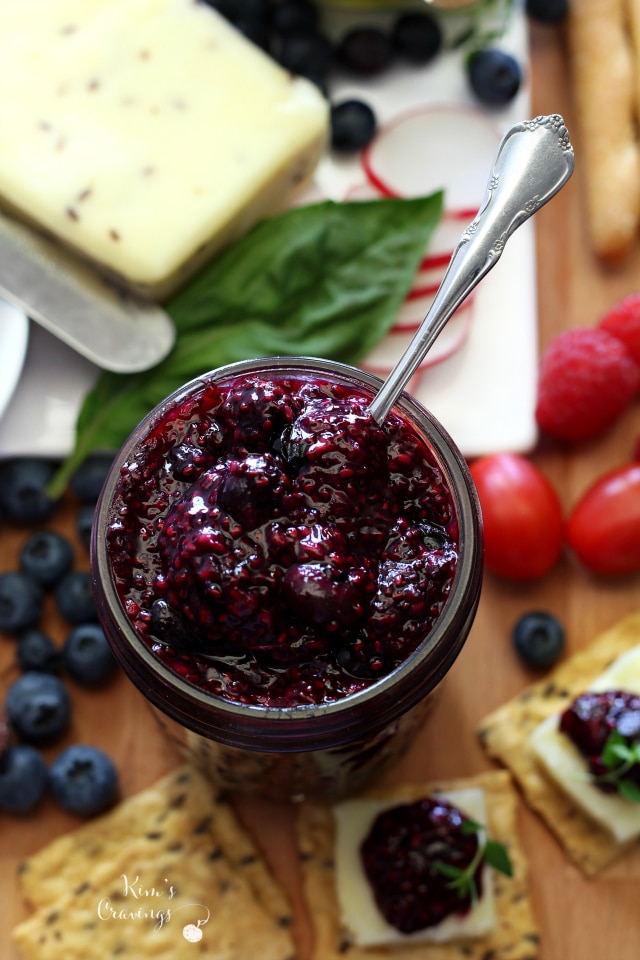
(167,867)
(506,733)
(515,935)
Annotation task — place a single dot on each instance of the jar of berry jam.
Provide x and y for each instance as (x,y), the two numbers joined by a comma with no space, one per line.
(286,581)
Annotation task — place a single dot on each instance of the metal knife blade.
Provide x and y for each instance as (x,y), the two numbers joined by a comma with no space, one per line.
(103,322)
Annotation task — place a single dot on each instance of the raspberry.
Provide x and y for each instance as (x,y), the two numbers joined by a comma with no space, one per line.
(623,323)
(587,378)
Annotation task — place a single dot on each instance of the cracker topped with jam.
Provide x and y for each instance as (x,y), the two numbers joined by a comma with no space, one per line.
(572,741)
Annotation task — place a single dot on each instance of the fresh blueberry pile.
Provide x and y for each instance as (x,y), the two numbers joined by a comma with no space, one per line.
(37,707)
(292,32)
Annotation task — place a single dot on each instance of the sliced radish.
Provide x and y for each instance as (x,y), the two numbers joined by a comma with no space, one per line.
(437,147)
(385,354)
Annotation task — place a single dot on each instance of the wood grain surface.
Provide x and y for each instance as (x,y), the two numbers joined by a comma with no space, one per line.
(582,919)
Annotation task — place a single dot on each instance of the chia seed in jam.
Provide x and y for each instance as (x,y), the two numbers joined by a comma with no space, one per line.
(590,720)
(273,545)
(399,857)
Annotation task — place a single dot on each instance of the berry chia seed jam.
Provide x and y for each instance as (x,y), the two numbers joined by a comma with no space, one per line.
(284,579)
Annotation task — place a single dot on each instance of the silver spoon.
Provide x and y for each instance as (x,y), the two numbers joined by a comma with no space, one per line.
(534,160)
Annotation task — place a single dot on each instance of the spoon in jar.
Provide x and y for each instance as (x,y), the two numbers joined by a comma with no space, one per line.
(534,160)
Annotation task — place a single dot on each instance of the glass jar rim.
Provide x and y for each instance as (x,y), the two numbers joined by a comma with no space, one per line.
(329,723)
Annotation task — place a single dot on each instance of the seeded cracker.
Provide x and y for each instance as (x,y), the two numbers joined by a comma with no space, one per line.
(505,732)
(516,936)
(214,896)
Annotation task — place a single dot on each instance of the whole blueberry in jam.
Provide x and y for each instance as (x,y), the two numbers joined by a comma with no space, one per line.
(274,545)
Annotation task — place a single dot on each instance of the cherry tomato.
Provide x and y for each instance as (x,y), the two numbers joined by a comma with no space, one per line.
(603,528)
(522,515)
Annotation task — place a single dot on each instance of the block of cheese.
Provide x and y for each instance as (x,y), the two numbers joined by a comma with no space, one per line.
(566,766)
(359,912)
(146,135)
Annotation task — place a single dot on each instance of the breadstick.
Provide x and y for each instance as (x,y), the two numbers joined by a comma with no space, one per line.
(603,76)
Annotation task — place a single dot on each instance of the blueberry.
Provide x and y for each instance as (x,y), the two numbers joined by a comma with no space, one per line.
(84,523)
(46,556)
(307,53)
(494,75)
(21,599)
(258,9)
(254,29)
(87,656)
(547,11)
(74,597)
(23,484)
(38,706)
(539,639)
(23,778)
(317,595)
(365,50)
(353,124)
(224,7)
(37,651)
(417,37)
(251,487)
(83,780)
(291,15)
(89,478)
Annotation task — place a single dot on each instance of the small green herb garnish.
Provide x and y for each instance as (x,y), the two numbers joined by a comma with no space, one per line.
(493,853)
(619,757)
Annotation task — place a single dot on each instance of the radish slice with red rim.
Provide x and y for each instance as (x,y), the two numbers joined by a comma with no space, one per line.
(385,354)
(437,147)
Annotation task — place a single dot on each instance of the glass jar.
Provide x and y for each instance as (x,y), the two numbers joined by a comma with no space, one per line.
(326,749)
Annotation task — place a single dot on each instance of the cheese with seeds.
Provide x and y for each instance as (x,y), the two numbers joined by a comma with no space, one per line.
(147,135)
(359,912)
(564,763)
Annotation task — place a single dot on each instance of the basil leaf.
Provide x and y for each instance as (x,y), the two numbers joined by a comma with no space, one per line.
(325,280)
(469,827)
(495,854)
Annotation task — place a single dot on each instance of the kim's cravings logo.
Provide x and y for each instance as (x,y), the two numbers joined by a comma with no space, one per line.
(135,901)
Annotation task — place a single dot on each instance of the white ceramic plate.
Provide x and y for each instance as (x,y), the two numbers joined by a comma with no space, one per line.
(14,337)
(480,378)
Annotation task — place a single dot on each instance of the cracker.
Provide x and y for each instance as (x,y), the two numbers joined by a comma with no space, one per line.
(176,849)
(603,83)
(515,937)
(505,732)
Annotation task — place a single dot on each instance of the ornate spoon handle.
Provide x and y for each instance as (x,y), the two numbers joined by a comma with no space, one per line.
(534,160)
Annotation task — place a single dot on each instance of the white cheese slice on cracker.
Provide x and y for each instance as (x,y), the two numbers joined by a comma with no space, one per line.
(564,763)
(360,914)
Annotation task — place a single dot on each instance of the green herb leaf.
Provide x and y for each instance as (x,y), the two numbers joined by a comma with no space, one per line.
(469,826)
(492,852)
(454,873)
(611,751)
(629,790)
(496,855)
(619,756)
(325,280)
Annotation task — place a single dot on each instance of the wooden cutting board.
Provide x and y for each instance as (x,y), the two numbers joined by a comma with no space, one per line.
(578,918)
